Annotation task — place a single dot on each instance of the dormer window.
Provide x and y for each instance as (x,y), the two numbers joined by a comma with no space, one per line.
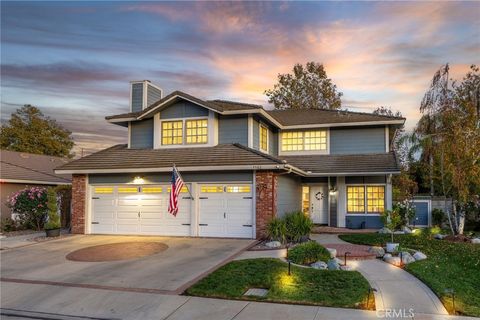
(263,138)
(180,132)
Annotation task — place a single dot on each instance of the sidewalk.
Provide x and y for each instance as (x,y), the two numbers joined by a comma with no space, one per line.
(395,287)
(19,241)
(81,303)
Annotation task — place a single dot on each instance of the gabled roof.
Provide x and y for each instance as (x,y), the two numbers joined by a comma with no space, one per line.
(283,119)
(21,167)
(353,164)
(220,157)
(293,117)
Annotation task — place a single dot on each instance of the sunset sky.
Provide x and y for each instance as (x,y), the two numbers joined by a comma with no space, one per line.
(74,60)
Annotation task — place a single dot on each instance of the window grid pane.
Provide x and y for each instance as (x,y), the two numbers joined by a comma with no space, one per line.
(316,140)
(312,140)
(184,189)
(172,132)
(212,189)
(152,189)
(263,138)
(292,141)
(127,190)
(197,131)
(238,189)
(356,199)
(375,199)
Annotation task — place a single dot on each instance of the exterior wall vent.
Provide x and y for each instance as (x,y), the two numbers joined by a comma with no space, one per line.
(143,94)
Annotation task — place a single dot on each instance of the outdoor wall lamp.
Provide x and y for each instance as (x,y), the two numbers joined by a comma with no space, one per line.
(138,180)
(332,190)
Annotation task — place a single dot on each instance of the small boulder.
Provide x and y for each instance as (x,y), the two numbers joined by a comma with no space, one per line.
(333,265)
(346,268)
(384,230)
(419,256)
(319,265)
(406,257)
(387,255)
(407,230)
(392,260)
(338,260)
(476,240)
(378,251)
(438,236)
(273,244)
(333,252)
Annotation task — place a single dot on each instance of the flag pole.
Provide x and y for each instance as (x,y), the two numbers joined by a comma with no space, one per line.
(188,189)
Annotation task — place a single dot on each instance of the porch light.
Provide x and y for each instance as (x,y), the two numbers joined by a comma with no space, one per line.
(332,190)
(138,180)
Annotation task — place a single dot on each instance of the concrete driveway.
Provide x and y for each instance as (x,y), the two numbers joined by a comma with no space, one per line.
(170,271)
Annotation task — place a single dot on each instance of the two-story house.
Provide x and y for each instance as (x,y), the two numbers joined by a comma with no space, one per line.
(242,163)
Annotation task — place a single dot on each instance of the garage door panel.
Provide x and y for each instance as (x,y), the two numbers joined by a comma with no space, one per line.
(103,228)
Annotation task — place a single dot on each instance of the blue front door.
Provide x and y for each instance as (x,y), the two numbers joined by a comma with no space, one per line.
(421,214)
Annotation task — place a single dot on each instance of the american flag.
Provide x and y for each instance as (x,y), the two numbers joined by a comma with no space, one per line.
(177,184)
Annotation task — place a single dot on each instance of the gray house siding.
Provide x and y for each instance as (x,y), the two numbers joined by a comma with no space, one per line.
(273,143)
(272,138)
(137,97)
(233,129)
(365,179)
(153,95)
(289,194)
(141,134)
(237,176)
(333,204)
(355,140)
(183,109)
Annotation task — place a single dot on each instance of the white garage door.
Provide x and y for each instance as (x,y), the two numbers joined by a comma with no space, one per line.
(138,210)
(225,210)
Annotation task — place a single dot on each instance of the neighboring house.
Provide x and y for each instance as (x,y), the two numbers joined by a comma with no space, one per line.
(19,170)
(242,163)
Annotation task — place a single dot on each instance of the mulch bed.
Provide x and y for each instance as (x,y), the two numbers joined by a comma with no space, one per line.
(117,251)
(457,238)
(262,247)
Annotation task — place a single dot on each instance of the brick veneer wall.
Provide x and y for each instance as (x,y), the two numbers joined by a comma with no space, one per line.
(79,192)
(266,188)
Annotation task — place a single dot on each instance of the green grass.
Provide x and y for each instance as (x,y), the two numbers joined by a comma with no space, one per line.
(304,286)
(448,265)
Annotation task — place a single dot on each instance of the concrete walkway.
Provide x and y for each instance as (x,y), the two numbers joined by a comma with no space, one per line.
(19,241)
(396,288)
(66,303)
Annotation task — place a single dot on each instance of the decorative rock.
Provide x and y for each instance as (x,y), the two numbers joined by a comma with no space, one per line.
(273,244)
(333,265)
(338,260)
(387,255)
(392,260)
(476,240)
(346,268)
(407,257)
(419,256)
(407,230)
(384,230)
(319,265)
(378,251)
(333,252)
(439,236)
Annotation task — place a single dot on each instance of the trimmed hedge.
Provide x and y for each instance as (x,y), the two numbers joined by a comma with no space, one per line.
(308,252)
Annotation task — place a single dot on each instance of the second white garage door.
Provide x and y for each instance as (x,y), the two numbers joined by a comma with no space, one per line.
(225,210)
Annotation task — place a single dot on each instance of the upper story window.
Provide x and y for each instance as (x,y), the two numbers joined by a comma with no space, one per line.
(181,132)
(196,131)
(312,140)
(263,138)
(172,132)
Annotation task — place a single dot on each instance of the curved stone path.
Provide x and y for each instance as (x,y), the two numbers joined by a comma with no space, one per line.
(396,288)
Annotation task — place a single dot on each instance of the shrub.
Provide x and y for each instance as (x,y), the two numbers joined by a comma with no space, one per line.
(308,252)
(8,224)
(437,216)
(406,210)
(30,204)
(298,225)
(392,220)
(53,221)
(276,230)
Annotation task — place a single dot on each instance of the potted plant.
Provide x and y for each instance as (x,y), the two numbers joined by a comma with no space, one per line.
(52,226)
(391,219)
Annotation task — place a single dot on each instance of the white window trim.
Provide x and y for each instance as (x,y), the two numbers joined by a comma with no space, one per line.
(212,135)
(365,212)
(260,126)
(303,152)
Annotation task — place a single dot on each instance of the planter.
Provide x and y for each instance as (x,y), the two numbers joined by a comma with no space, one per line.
(392,247)
(52,232)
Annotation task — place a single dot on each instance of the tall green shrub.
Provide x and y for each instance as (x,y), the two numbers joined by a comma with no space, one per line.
(53,221)
(30,204)
(298,225)
(276,230)
(308,252)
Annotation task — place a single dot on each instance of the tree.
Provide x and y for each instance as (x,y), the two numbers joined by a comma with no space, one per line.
(30,131)
(307,88)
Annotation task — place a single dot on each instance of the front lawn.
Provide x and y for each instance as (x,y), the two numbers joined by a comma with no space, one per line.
(448,266)
(304,286)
